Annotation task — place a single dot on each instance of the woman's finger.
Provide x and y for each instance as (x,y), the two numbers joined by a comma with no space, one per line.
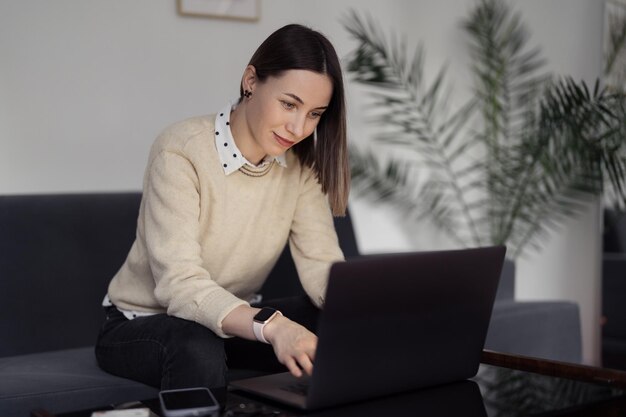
(305,363)
(290,363)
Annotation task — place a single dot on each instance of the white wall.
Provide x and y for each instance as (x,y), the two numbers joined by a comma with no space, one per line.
(569,266)
(86,85)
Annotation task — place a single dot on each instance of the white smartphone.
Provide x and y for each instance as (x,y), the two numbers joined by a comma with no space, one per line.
(188,402)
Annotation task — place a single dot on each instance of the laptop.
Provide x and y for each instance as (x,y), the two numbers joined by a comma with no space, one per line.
(394,323)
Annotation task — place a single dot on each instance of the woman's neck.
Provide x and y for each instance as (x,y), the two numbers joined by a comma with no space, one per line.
(243,137)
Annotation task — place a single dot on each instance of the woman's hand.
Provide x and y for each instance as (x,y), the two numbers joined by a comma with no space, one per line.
(293,345)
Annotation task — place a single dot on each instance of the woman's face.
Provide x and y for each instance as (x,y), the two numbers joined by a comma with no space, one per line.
(284,110)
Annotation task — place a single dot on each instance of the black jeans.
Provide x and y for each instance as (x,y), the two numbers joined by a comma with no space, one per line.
(168,352)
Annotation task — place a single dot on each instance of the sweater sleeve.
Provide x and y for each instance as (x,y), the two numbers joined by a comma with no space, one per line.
(171,217)
(313,239)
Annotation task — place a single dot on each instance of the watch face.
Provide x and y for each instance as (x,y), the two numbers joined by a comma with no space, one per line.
(264,314)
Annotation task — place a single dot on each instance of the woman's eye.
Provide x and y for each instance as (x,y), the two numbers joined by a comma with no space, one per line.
(315,115)
(288,105)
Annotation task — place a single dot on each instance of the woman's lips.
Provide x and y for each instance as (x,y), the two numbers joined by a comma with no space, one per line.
(283,142)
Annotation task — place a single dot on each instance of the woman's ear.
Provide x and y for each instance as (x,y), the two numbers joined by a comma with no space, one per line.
(249,79)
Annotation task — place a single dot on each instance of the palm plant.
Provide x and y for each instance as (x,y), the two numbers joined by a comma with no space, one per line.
(513,162)
(615,54)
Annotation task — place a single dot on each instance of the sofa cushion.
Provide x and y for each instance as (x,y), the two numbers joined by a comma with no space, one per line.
(57,256)
(62,381)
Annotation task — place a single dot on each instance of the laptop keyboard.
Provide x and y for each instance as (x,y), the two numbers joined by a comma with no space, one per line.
(300,388)
(238,406)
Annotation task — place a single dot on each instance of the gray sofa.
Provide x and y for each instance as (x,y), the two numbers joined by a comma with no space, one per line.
(57,255)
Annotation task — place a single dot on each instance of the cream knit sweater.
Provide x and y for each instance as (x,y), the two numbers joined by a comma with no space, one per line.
(206,241)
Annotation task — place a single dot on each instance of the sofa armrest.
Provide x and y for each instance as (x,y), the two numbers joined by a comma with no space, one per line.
(543,329)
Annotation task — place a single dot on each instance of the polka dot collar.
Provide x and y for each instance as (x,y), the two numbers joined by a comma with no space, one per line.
(230,156)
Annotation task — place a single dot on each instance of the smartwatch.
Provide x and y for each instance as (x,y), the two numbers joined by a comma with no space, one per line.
(261,319)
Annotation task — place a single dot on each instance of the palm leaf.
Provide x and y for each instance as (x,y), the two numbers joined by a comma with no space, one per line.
(542,150)
(416,121)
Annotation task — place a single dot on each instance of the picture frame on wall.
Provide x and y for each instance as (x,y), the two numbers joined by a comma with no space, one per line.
(242,10)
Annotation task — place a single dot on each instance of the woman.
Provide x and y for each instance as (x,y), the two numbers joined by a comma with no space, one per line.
(222,195)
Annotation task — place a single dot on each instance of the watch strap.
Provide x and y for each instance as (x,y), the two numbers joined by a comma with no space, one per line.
(257,327)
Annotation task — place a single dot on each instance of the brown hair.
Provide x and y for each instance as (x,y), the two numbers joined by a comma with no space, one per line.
(298,47)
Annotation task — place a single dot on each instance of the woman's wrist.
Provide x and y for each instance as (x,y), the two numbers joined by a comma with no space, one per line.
(273,327)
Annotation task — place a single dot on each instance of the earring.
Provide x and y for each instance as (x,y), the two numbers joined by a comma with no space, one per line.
(247,93)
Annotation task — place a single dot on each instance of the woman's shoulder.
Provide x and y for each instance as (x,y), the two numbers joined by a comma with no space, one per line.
(177,136)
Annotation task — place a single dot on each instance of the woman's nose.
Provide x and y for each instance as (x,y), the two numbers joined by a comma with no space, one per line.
(296,125)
